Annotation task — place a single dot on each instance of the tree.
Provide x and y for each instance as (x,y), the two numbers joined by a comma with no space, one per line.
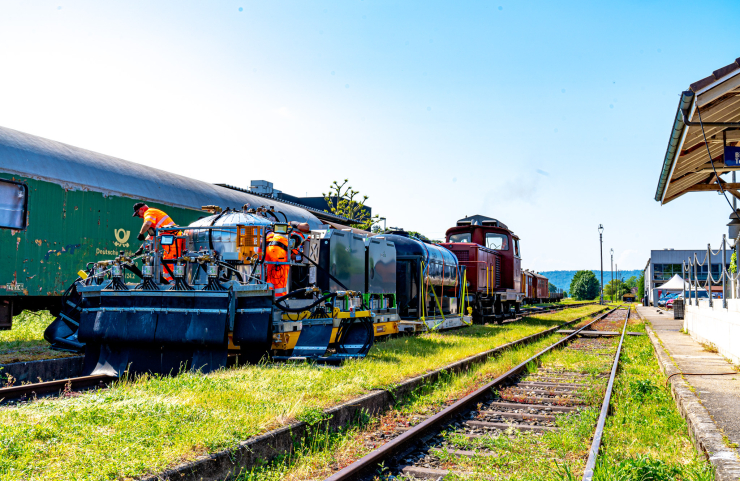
(343,201)
(641,286)
(615,289)
(631,282)
(551,287)
(584,286)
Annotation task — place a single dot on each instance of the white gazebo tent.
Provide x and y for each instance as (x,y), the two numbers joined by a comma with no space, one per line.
(675,284)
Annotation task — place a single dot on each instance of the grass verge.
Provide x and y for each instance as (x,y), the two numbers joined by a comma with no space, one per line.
(25,342)
(147,424)
(644,439)
(335,450)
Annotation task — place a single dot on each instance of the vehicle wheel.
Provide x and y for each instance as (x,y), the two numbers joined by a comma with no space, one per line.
(477,311)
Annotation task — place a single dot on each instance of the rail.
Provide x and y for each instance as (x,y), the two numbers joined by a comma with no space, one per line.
(29,391)
(386,452)
(593,453)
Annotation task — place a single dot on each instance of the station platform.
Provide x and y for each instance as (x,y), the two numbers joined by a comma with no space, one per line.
(719,395)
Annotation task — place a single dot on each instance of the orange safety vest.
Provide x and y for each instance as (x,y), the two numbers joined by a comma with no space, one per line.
(157,218)
(277,274)
(160,219)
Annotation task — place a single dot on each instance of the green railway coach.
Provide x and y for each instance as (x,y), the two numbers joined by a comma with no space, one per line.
(62,207)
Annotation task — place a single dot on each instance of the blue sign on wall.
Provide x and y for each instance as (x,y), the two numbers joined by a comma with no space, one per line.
(732,156)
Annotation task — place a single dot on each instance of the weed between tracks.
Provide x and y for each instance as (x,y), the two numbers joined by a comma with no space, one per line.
(150,423)
(334,451)
(645,438)
(25,342)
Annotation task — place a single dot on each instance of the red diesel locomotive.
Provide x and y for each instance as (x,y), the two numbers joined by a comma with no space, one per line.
(492,259)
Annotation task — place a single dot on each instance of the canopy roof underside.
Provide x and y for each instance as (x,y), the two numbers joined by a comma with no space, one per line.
(687,166)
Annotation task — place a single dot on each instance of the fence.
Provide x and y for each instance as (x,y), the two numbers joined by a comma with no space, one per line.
(692,266)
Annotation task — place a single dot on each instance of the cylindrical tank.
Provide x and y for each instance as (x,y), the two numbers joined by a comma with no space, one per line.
(440,266)
(223,236)
(222,239)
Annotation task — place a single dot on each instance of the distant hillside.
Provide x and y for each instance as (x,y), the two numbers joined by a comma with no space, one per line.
(562,279)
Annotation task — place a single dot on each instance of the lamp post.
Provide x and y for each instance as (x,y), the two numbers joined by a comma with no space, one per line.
(601,252)
(612,253)
(383,219)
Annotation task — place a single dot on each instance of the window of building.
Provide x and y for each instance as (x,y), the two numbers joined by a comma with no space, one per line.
(460,237)
(500,242)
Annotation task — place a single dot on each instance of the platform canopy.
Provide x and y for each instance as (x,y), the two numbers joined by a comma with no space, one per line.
(687,166)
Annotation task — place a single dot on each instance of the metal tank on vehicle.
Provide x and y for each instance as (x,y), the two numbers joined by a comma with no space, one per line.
(223,239)
(440,266)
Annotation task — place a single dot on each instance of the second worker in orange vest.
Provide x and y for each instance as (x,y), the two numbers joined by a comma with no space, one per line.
(277,274)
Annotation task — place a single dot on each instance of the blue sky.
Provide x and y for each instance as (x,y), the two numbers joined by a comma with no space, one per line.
(551,116)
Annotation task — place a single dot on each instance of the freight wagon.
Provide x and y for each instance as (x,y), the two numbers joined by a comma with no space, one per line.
(536,289)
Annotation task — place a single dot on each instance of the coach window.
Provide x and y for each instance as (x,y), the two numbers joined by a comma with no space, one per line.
(516,248)
(13,204)
(500,242)
(460,237)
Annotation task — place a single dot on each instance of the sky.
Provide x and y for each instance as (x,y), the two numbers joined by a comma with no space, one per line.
(552,117)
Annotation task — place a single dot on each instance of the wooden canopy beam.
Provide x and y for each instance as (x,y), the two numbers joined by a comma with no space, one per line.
(713,187)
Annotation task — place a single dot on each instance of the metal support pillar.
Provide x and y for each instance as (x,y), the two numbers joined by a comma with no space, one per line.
(724,276)
(684,271)
(601,253)
(709,275)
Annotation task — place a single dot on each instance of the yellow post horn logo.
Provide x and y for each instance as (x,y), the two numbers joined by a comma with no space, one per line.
(122,236)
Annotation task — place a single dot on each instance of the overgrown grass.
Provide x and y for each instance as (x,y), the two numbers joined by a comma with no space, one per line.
(553,455)
(146,424)
(645,440)
(25,341)
(646,437)
(315,461)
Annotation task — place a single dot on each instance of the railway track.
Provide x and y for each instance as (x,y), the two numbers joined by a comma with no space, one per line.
(517,401)
(31,391)
(545,310)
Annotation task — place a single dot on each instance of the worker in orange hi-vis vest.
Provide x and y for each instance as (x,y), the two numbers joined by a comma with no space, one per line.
(157,219)
(277,251)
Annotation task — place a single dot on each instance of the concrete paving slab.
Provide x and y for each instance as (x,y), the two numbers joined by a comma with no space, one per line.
(719,395)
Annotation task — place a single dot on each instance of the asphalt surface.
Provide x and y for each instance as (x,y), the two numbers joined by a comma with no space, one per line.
(720,395)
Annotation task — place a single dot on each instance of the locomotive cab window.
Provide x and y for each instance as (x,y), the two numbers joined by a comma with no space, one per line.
(460,237)
(516,248)
(13,205)
(500,242)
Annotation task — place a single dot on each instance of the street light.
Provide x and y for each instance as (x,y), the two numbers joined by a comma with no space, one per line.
(612,252)
(383,219)
(601,252)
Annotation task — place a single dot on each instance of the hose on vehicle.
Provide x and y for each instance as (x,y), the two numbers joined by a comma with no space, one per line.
(301,309)
(210,231)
